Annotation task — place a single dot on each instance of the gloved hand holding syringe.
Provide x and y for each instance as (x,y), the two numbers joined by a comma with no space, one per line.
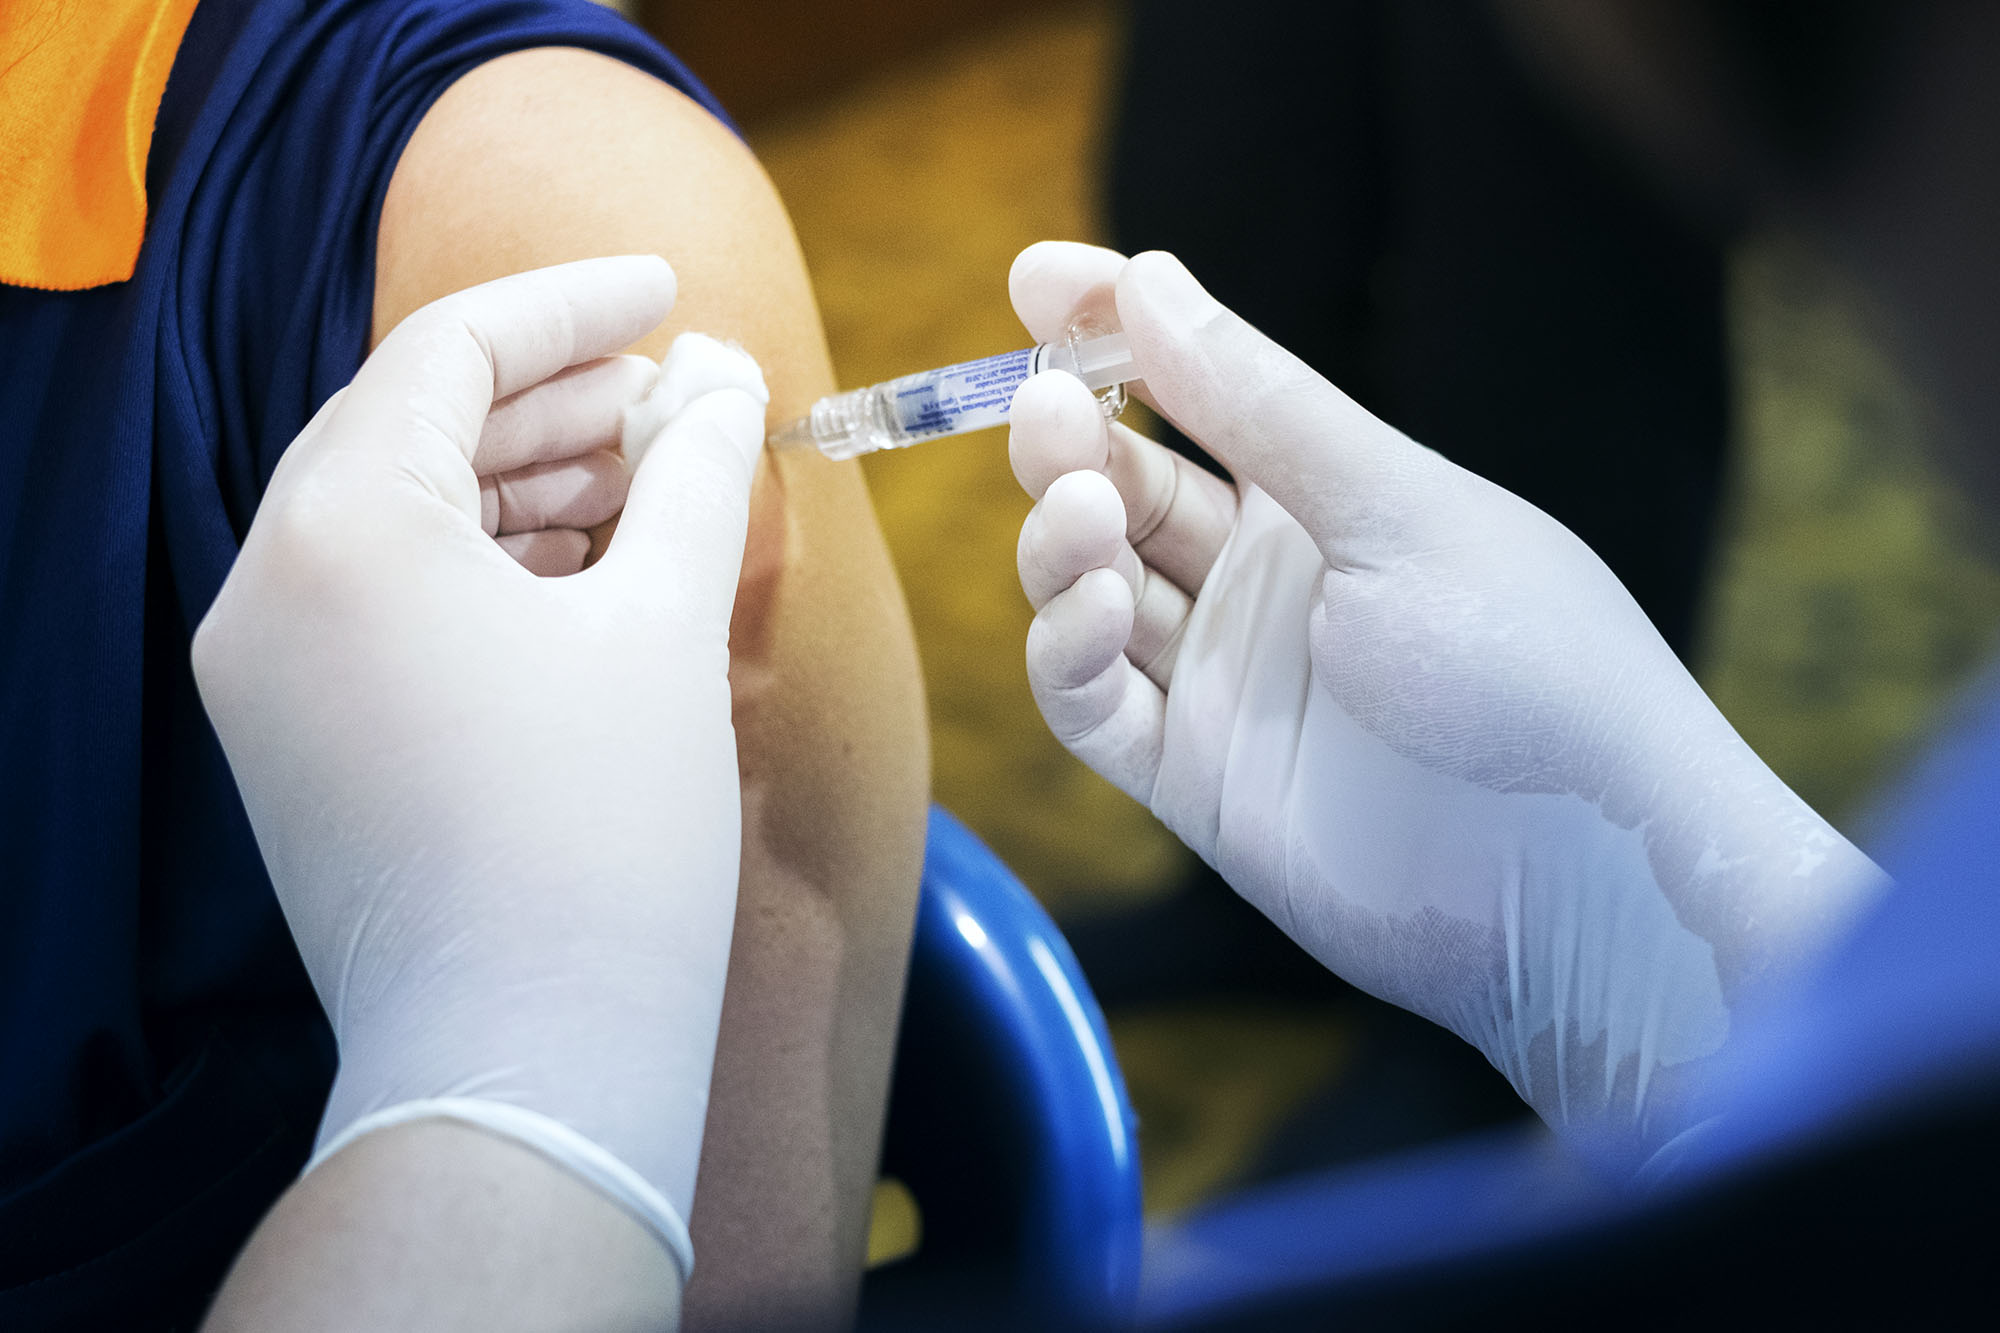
(970,396)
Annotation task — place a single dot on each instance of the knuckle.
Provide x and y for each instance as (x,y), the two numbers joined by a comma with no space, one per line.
(301,528)
(207,652)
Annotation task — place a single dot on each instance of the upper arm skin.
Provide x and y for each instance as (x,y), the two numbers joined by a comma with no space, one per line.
(554,154)
(355,1243)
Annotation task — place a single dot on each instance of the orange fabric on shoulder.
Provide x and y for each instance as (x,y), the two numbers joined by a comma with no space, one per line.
(80,85)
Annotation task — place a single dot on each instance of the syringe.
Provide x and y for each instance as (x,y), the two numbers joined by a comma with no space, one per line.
(969,396)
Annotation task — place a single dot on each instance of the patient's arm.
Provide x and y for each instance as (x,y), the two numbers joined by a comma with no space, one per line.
(556,154)
(439,1226)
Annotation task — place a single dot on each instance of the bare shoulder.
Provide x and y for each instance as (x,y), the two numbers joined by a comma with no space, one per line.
(554,153)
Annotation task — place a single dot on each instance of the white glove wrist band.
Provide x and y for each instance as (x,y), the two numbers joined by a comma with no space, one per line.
(553,1140)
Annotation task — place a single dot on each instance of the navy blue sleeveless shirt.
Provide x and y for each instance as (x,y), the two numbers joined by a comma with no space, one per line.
(163,1059)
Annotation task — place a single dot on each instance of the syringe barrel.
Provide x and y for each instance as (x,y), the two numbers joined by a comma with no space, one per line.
(973,395)
(969,396)
(966,397)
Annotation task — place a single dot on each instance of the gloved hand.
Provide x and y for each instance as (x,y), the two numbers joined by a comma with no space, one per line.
(501,811)
(1406,714)
(549,466)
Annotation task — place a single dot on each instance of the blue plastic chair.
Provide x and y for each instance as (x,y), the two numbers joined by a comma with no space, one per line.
(1008,1119)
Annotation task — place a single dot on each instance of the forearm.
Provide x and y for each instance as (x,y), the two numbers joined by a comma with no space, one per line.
(438,1225)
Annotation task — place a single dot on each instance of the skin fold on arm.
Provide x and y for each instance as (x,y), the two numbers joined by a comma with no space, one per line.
(554,154)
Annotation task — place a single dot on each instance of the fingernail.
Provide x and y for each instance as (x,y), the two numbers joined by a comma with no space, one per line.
(644,372)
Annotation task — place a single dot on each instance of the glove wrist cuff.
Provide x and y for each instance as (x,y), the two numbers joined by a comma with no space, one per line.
(550,1138)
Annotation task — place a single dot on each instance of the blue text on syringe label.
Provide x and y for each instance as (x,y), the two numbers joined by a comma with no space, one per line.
(965,397)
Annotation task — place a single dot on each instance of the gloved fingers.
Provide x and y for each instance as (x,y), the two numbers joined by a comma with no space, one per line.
(530,325)
(1078,525)
(578,492)
(1266,414)
(1095,701)
(549,552)
(1051,280)
(693,448)
(696,364)
(422,398)
(574,411)
(1159,619)
(1054,428)
(689,508)
(1177,514)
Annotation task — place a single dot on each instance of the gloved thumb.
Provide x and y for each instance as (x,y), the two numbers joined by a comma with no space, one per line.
(681,534)
(1271,419)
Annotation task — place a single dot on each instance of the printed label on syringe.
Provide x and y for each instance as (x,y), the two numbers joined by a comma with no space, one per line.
(965,397)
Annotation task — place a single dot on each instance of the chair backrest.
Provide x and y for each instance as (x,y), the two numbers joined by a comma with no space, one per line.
(1008,1121)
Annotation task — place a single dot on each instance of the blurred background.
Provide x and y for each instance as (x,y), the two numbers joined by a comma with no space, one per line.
(1654,342)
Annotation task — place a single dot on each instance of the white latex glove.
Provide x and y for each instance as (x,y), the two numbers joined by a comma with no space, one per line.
(1406,714)
(549,465)
(501,811)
